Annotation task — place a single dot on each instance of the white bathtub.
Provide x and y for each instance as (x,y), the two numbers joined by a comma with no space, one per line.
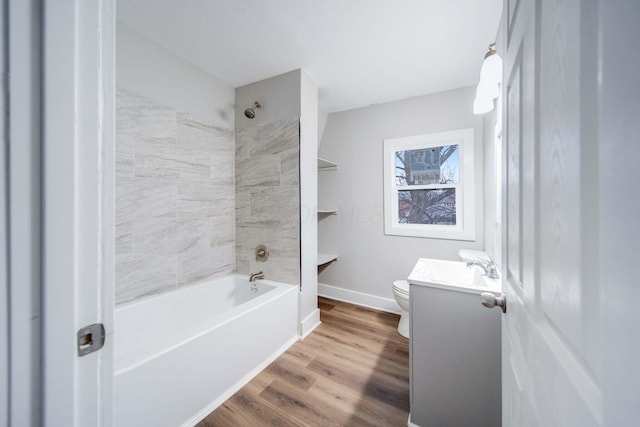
(179,355)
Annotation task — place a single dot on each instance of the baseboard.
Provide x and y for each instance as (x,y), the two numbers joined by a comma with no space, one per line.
(237,386)
(311,322)
(359,298)
(409,423)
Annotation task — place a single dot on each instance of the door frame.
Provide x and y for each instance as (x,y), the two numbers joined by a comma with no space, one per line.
(78,86)
(21,170)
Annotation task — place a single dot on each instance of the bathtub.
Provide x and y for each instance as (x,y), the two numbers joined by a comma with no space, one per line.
(179,355)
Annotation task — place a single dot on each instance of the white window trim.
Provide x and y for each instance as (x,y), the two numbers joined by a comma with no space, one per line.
(465,190)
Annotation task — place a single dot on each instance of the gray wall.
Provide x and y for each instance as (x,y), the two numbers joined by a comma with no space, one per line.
(369,261)
(279,95)
(175,197)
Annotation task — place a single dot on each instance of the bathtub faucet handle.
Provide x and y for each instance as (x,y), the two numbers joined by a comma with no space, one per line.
(262,253)
(254,276)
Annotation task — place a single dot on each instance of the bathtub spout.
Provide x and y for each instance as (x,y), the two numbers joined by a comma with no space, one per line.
(254,276)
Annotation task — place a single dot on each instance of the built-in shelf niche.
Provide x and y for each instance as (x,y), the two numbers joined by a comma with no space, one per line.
(323,258)
(326,258)
(326,165)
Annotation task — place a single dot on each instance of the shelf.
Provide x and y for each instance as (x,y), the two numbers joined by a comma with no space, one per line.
(326,258)
(326,165)
(328,211)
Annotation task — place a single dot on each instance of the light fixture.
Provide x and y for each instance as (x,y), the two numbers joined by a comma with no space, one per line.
(490,79)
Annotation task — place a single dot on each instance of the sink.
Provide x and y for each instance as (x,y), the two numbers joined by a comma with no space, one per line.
(452,275)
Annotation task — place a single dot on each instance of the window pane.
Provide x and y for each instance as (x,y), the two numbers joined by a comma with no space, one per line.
(427,206)
(434,165)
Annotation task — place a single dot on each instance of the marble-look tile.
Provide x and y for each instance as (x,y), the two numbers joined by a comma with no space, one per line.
(197,135)
(271,138)
(194,234)
(175,198)
(279,247)
(222,230)
(285,270)
(243,199)
(251,234)
(195,266)
(263,170)
(276,203)
(162,159)
(243,261)
(124,164)
(140,277)
(145,198)
(170,236)
(287,247)
(223,169)
(144,119)
(155,236)
(125,143)
(124,238)
(197,200)
(290,167)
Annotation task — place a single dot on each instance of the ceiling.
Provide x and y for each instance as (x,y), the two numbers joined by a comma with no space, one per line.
(358,52)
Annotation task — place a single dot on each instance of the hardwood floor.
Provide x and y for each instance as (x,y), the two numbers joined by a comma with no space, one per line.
(353,370)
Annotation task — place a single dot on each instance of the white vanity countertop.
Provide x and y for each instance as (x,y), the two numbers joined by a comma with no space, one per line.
(453,276)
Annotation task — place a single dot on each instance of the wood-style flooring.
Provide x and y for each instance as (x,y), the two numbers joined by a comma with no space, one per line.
(352,370)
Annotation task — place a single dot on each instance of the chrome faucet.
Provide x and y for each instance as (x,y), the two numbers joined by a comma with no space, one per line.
(490,269)
(254,276)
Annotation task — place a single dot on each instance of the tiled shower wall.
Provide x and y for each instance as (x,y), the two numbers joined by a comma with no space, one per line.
(175,198)
(268,199)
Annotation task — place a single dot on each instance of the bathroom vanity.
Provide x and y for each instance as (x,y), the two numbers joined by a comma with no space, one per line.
(455,346)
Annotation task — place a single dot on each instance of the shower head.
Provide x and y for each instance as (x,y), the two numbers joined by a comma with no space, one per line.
(250,112)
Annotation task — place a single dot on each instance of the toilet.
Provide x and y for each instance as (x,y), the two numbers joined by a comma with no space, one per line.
(401,292)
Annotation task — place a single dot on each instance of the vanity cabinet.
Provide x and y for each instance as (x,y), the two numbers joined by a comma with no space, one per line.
(455,357)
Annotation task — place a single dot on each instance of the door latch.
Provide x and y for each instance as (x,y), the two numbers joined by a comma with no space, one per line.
(90,339)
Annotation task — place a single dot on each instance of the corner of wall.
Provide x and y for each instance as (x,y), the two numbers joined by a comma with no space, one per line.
(308,195)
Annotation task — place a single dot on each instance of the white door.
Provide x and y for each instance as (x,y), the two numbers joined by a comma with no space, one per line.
(562,232)
(78,64)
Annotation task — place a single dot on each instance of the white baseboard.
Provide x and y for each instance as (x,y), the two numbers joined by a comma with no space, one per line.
(409,423)
(237,386)
(359,298)
(311,322)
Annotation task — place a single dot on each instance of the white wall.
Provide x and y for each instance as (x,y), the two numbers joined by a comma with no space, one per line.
(368,260)
(492,229)
(309,313)
(150,70)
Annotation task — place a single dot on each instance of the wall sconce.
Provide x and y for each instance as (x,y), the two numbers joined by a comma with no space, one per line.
(490,79)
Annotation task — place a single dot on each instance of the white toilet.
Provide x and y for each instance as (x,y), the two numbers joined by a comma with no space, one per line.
(401,292)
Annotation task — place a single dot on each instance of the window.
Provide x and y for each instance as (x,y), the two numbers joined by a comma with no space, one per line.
(429,185)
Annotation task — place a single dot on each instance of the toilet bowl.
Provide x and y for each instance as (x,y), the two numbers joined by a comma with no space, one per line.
(401,293)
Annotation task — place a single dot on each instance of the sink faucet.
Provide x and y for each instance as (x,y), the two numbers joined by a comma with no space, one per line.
(489,268)
(254,276)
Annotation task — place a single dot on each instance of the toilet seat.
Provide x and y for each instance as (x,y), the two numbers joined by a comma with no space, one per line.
(400,290)
(401,287)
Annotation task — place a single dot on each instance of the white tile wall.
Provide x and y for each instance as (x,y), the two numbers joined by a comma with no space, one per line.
(268,199)
(175,198)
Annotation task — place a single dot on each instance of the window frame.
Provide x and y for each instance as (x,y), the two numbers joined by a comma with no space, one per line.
(465,188)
